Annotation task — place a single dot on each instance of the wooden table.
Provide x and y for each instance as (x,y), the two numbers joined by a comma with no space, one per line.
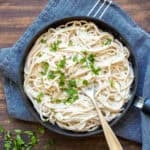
(15,17)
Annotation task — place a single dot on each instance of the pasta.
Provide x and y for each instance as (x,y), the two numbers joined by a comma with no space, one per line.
(67,59)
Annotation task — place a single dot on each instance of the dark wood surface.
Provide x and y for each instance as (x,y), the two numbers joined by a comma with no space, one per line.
(15,17)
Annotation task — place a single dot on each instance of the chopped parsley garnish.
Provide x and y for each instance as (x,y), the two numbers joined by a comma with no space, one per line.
(72,99)
(70,43)
(45,67)
(8,135)
(22,140)
(2,129)
(33,140)
(84,52)
(75,58)
(61,79)
(54,46)
(72,95)
(7,140)
(58,101)
(71,91)
(39,54)
(51,75)
(62,63)
(72,83)
(18,142)
(111,83)
(95,70)
(83,60)
(17,131)
(43,41)
(7,145)
(29,133)
(85,82)
(38,98)
(91,58)
(107,42)
(41,130)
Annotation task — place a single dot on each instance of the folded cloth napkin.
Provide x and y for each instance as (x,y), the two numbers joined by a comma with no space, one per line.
(135,125)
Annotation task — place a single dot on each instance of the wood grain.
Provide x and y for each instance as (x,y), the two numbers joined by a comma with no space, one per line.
(15,17)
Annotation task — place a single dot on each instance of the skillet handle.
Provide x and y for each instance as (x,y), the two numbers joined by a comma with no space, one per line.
(146,106)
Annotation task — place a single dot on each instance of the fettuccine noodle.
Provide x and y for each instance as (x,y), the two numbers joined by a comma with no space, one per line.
(67,59)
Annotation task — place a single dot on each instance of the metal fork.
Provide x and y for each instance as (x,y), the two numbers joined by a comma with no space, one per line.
(98,6)
(110,136)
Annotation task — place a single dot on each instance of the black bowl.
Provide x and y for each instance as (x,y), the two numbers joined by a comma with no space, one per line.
(104,26)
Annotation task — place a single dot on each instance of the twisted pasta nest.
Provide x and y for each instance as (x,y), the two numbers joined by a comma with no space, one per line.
(67,59)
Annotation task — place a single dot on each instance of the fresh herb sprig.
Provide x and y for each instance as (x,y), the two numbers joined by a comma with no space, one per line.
(107,42)
(23,140)
(112,83)
(62,63)
(89,60)
(39,97)
(71,91)
(54,46)
(45,67)
(43,41)
(51,75)
(85,82)
(70,43)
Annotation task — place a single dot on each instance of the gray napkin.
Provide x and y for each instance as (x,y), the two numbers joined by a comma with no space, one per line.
(134,126)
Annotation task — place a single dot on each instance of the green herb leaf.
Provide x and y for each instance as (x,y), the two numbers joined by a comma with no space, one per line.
(43,41)
(91,58)
(41,130)
(75,58)
(29,133)
(84,52)
(8,136)
(7,145)
(38,98)
(58,101)
(61,79)
(112,83)
(83,60)
(62,63)
(17,131)
(18,141)
(33,140)
(72,99)
(108,42)
(45,67)
(95,70)
(72,95)
(28,147)
(54,46)
(2,129)
(39,54)
(85,82)
(8,140)
(51,75)
(71,91)
(70,43)
(72,83)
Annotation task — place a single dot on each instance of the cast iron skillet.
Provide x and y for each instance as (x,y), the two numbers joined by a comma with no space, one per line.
(102,25)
